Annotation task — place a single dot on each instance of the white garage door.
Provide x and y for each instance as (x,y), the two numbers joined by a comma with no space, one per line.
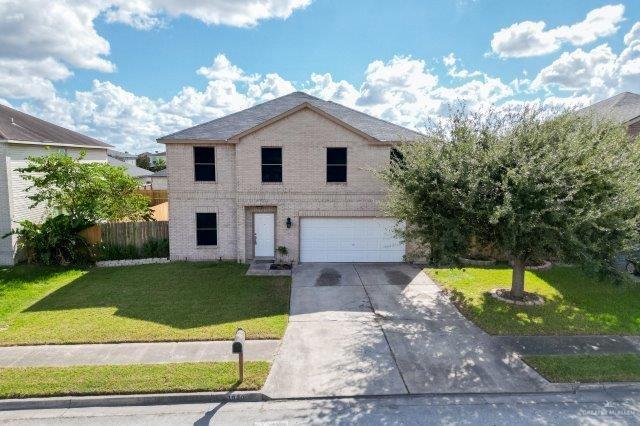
(365,239)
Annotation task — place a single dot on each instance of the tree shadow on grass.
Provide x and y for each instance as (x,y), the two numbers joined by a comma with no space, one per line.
(179,294)
(576,303)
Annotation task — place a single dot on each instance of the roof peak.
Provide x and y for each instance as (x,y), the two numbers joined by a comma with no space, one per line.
(230,126)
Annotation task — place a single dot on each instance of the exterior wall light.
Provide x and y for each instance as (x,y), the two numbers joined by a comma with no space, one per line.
(289,222)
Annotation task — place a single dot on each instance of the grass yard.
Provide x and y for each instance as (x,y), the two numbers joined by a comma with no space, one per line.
(126,379)
(587,368)
(577,303)
(165,302)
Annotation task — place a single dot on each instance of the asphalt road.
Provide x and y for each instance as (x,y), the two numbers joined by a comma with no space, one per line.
(593,407)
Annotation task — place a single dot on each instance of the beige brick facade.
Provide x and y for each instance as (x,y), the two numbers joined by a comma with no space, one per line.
(238,191)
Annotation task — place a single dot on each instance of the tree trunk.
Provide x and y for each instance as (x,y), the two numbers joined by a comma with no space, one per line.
(517,279)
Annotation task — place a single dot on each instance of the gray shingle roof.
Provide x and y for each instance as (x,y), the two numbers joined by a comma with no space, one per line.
(18,126)
(120,155)
(132,170)
(160,173)
(225,128)
(622,107)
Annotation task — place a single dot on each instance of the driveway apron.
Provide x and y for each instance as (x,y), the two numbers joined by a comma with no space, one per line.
(382,329)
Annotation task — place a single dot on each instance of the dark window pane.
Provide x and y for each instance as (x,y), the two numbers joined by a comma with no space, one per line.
(271,155)
(205,220)
(271,173)
(336,155)
(206,233)
(207,237)
(203,154)
(396,156)
(205,172)
(336,173)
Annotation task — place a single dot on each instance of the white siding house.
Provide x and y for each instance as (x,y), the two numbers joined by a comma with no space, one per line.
(23,136)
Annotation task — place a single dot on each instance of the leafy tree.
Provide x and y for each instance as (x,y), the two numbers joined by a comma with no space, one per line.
(143,161)
(77,195)
(87,191)
(158,164)
(532,183)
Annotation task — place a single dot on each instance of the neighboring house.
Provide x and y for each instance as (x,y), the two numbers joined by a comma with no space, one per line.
(623,108)
(295,171)
(23,136)
(153,156)
(159,179)
(142,175)
(123,156)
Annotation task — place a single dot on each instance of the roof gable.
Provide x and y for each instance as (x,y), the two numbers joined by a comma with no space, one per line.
(236,125)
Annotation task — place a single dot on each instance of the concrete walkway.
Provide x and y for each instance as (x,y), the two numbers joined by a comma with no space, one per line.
(380,329)
(132,353)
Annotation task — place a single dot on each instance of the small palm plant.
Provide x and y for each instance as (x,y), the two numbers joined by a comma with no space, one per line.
(282,254)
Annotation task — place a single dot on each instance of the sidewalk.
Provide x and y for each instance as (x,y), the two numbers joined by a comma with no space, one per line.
(132,353)
(571,345)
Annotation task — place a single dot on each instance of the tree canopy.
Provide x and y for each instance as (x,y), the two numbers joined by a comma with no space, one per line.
(530,182)
(87,191)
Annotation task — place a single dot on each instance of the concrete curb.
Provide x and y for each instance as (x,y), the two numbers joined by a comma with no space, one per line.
(248,396)
(125,400)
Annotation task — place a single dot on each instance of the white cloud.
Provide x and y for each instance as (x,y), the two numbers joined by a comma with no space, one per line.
(323,86)
(61,30)
(530,38)
(402,90)
(451,62)
(41,42)
(633,34)
(598,73)
(270,87)
(145,14)
(22,78)
(223,69)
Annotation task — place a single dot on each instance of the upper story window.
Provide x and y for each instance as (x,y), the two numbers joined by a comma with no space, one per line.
(206,229)
(336,164)
(204,159)
(271,164)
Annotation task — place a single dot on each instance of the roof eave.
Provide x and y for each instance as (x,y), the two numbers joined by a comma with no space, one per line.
(51,143)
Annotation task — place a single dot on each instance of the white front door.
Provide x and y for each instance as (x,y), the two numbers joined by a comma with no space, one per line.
(264,224)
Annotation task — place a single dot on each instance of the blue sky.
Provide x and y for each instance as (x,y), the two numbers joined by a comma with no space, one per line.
(128,72)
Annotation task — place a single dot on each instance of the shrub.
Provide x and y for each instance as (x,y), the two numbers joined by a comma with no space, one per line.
(153,248)
(55,241)
(156,248)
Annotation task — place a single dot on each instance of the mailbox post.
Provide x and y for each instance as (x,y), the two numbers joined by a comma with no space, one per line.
(238,348)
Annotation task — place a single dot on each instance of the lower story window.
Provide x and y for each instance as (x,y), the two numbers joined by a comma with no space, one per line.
(206,229)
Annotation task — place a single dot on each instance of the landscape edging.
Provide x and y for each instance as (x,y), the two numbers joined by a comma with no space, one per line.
(130,262)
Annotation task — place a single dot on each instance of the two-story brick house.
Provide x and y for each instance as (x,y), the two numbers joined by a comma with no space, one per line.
(295,171)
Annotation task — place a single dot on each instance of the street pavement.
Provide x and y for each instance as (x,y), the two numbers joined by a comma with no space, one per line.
(593,408)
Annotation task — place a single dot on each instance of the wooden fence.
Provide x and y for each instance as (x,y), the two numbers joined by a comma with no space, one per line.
(127,233)
(161,211)
(157,196)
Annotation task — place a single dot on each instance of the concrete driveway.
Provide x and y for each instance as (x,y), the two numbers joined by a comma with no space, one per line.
(382,329)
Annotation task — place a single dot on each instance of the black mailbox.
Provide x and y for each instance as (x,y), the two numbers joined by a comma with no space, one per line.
(238,342)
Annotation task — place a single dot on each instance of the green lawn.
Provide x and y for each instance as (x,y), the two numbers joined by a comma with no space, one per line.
(577,303)
(164,302)
(126,379)
(587,368)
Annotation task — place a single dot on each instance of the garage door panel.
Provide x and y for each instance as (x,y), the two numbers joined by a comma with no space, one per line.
(350,240)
